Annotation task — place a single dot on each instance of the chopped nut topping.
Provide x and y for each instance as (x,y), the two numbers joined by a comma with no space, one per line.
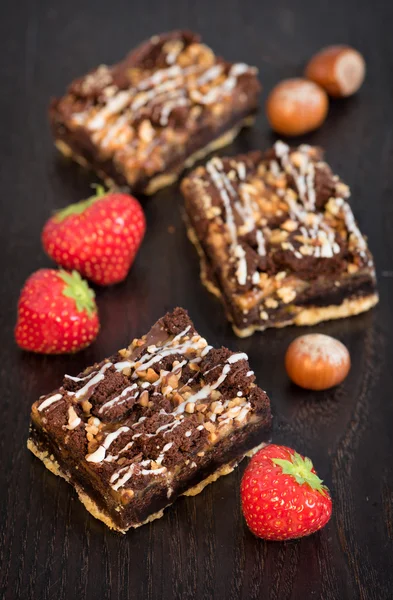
(144,398)
(151,376)
(271,303)
(177,398)
(173,379)
(86,406)
(236,402)
(290,225)
(125,353)
(209,426)
(286,294)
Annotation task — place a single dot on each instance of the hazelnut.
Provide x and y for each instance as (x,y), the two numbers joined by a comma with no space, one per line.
(317,362)
(296,106)
(340,70)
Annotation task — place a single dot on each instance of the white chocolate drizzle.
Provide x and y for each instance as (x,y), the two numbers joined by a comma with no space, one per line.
(73,419)
(99,455)
(164,90)
(219,178)
(236,357)
(303,176)
(98,376)
(207,389)
(80,378)
(121,399)
(351,226)
(49,401)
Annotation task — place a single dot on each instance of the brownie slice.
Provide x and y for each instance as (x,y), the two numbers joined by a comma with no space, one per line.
(277,239)
(163,417)
(140,122)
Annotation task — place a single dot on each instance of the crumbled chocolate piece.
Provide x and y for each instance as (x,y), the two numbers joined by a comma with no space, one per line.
(112,385)
(177,321)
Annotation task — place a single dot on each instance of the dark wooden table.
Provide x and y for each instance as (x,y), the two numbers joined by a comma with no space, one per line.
(50,546)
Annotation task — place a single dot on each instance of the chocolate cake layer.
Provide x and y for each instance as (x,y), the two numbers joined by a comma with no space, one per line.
(139,122)
(277,239)
(163,417)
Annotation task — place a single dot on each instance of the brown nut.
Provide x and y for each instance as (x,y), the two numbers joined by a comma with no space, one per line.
(144,398)
(317,362)
(296,106)
(151,376)
(340,70)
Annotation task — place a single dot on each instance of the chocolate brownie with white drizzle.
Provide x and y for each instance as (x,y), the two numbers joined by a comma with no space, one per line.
(277,239)
(159,419)
(139,122)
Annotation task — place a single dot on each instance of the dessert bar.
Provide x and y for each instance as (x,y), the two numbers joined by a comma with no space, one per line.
(277,239)
(140,122)
(163,417)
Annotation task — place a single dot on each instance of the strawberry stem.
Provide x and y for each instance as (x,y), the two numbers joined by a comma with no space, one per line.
(79,207)
(78,289)
(301,469)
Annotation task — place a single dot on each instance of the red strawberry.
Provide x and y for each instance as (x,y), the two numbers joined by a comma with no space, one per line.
(98,237)
(57,313)
(282,496)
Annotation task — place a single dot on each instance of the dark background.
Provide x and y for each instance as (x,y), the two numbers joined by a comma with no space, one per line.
(50,546)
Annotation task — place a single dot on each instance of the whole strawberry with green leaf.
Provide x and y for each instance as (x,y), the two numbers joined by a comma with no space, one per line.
(57,313)
(282,496)
(99,237)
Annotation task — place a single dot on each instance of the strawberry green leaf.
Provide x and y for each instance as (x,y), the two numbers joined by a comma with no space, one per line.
(79,207)
(78,289)
(301,469)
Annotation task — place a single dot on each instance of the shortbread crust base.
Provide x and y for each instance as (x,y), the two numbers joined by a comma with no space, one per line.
(53,466)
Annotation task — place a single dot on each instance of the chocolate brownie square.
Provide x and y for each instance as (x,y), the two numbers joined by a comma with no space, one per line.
(277,239)
(140,122)
(163,417)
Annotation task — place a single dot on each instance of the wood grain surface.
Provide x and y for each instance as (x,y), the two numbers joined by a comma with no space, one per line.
(51,548)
